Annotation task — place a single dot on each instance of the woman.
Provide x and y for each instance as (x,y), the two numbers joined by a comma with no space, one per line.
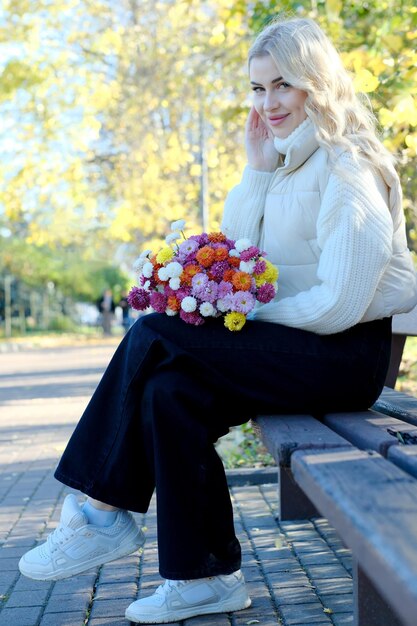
(322,199)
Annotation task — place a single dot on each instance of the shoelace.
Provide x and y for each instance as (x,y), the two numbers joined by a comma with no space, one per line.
(58,537)
(170,584)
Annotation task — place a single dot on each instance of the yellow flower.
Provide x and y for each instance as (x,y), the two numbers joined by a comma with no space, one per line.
(234,320)
(270,275)
(164,255)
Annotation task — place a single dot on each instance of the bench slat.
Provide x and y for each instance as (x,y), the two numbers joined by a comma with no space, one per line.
(368,429)
(373,506)
(282,434)
(405,457)
(397,404)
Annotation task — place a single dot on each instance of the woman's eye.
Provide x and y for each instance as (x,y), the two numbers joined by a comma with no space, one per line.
(284,85)
(257,89)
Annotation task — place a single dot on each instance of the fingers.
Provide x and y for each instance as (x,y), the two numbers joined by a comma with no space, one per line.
(253,118)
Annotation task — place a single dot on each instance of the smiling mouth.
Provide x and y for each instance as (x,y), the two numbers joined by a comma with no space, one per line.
(275,121)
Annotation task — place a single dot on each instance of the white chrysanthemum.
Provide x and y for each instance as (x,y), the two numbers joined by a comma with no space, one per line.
(172,237)
(170,312)
(207,309)
(144,254)
(243,244)
(139,263)
(147,269)
(233,252)
(223,305)
(175,283)
(163,273)
(174,269)
(146,284)
(247,266)
(189,304)
(178,225)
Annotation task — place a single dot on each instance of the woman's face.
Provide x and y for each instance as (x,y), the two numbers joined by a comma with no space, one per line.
(280,106)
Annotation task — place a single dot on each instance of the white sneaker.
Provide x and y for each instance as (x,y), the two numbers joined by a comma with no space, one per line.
(179,599)
(76,546)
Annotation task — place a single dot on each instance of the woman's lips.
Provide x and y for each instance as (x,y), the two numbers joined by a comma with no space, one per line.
(277,119)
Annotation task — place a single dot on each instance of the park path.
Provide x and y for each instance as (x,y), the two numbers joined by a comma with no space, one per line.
(298,573)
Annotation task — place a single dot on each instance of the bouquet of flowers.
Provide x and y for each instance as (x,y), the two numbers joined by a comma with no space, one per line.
(206,275)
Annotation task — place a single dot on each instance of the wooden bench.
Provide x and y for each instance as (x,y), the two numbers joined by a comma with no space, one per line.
(360,472)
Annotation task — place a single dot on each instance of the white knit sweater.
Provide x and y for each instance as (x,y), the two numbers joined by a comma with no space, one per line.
(338,239)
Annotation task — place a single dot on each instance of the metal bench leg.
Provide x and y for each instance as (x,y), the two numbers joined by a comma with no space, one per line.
(292,501)
(369,607)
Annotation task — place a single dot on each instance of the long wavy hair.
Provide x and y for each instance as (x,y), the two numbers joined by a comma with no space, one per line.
(308,60)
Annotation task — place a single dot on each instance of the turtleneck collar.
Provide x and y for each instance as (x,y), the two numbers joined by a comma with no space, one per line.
(298,146)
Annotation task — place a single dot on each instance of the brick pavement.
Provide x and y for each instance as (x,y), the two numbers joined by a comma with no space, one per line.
(298,573)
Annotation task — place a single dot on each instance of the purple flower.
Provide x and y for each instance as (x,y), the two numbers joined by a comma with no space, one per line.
(224,289)
(201,240)
(138,299)
(249,254)
(199,282)
(230,243)
(218,269)
(158,301)
(260,267)
(243,302)
(192,318)
(265,293)
(187,250)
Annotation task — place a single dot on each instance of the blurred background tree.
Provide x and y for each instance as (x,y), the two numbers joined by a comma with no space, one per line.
(119,117)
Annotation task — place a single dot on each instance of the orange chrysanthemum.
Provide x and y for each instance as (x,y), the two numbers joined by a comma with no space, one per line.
(228,275)
(234,261)
(242,281)
(188,272)
(216,237)
(221,253)
(156,278)
(205,256)
(173,303)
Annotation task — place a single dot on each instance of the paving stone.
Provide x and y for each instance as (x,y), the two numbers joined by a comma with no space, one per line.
(76,618)
(68,603)
(33,597)
(25,616)
(308,614)
(339,603)
(342,619)
(110,608)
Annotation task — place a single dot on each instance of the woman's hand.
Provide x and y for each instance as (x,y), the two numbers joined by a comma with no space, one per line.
(259,142)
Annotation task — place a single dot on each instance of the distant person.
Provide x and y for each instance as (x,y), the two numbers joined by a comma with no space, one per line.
(126,312)
(106,307)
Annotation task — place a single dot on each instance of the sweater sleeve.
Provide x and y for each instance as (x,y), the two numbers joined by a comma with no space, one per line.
(354,233)
(244,207)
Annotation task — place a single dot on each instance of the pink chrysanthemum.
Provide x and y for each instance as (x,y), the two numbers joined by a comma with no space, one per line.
(158,301)
(193,318)
(265,293)
(260,267)
(138,299)
(250,253)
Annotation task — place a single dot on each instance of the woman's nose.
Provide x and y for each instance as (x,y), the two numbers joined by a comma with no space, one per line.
(271,101)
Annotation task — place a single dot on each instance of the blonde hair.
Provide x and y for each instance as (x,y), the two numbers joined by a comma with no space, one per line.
(308,61)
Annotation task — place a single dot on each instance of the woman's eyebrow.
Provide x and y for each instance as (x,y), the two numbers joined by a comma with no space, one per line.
(276,80)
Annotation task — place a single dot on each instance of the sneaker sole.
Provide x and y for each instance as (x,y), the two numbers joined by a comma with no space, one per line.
(79,568)
(228,606)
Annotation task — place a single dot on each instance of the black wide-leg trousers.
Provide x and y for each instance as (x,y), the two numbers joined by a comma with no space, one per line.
(172,389)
